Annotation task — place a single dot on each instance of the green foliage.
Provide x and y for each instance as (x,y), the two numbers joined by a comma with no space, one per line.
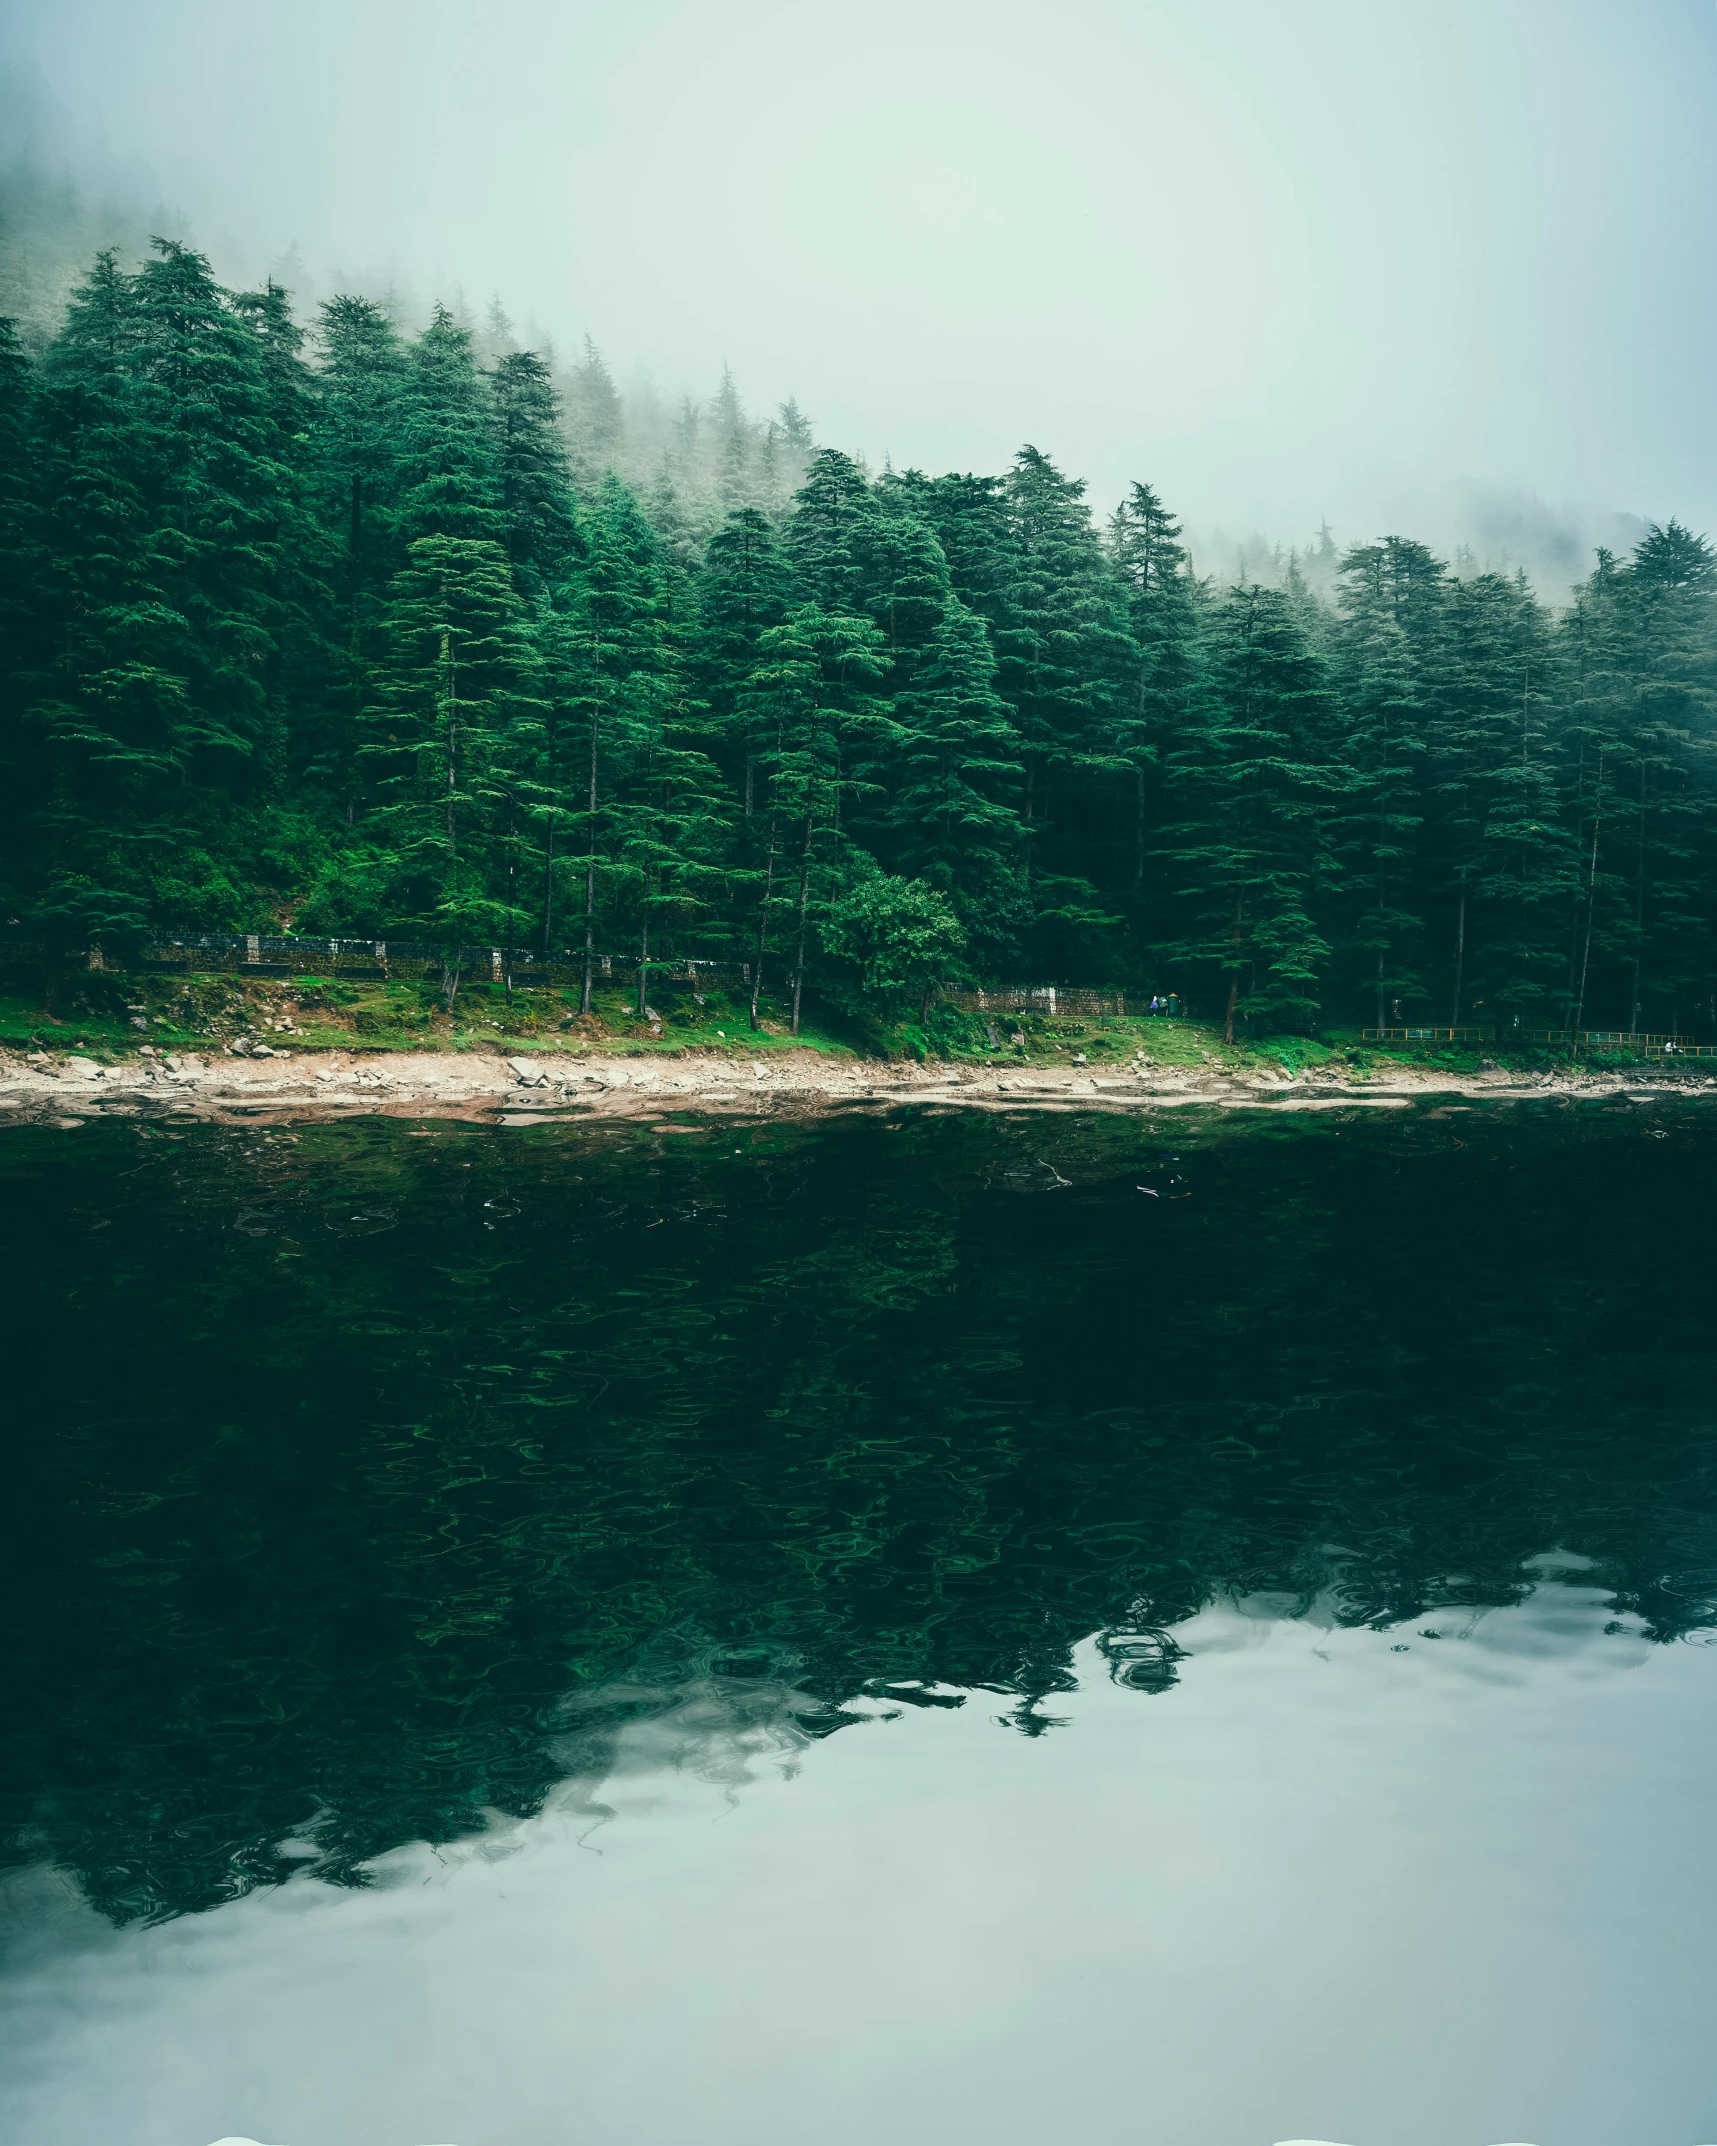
(898,935)
(376,633)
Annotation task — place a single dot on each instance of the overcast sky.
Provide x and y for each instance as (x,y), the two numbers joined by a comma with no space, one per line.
(1380,260)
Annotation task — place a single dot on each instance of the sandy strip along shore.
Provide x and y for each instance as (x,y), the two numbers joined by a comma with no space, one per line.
(68,1090)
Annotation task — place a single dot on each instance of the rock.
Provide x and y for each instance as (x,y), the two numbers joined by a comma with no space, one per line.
(759,1071)
(325,1076)
(528,1073)
(139,1021)
(85,1069)
(260,1050)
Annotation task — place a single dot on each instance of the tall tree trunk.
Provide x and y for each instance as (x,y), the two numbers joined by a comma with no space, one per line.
(1639,910)
(590,861)
(1138,829)
(1234,971)
(763,920)
(1591,898)
(1460,958)
(644,957)
(548,883)
(804,910)
(450,708)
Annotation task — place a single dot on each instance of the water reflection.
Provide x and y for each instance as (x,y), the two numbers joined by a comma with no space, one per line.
(313,1525)
(1347,1886)
(604,1636)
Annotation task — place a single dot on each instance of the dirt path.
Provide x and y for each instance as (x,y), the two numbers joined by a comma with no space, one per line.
(69,1090)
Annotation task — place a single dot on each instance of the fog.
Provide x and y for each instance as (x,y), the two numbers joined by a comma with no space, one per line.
(1445,267)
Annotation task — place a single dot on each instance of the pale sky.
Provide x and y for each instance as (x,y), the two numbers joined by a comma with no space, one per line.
(1382,260)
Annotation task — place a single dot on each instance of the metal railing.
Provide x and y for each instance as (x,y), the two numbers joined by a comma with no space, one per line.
(388,960)
(1424,1035)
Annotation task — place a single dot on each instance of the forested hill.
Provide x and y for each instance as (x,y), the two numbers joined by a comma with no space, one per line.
(335,633)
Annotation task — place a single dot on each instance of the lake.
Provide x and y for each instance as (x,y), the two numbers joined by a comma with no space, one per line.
(930,1626)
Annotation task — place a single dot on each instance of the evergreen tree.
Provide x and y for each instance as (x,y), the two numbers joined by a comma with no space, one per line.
(449,466)
(1144,544)
(831,536)
(538,516)
(361,385)
(614,648)
(744,590)
(595,420)
(954,811)
(451,732)
(1063,649)
(1257,793)
(812,695)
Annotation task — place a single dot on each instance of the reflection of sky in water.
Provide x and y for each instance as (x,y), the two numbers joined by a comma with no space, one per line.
(1325,1889)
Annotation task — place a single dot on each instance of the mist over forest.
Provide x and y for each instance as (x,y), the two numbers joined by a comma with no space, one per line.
(339,609)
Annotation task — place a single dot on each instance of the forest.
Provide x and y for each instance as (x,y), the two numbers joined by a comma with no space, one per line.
(337,628)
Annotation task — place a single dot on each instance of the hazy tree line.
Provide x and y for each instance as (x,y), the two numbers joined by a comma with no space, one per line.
(348,629)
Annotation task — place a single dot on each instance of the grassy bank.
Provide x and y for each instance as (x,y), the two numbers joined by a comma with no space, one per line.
(110,1014)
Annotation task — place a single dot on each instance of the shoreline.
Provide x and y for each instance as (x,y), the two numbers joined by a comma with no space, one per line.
(68,1090)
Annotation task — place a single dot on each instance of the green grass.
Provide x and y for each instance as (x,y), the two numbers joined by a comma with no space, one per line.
(110,1015)
(99,1015)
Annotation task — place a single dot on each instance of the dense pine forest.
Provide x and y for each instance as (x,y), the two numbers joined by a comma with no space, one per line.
(344,630)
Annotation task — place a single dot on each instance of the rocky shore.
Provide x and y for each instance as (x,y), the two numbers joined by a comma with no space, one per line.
(68,1091)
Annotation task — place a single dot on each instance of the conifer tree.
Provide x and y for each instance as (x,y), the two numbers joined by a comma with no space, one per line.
(1257,792)
(615,647)
(1063,650)
(538,516)
(831,536)
(1151,563)
(450,737)
(953,809)
(812,695)
(361,384)
(745,589)
(449,467)
(595,420)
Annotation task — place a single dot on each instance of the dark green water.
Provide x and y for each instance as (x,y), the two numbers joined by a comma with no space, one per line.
(367,1481)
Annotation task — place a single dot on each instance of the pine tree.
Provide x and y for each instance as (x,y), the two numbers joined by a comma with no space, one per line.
(1144,544)
(1668,611)
(449,467)
(953,809)
(830,538)
(1063,648)
(812,695)
(744,590)
(1257,793)
(1501,853)
(451,732)
(907,583)
(361,384)
(613,645)
(1386,698)
(538,515)
(595,420)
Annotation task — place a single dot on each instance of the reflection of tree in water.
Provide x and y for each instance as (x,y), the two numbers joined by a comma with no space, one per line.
(344,1538)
